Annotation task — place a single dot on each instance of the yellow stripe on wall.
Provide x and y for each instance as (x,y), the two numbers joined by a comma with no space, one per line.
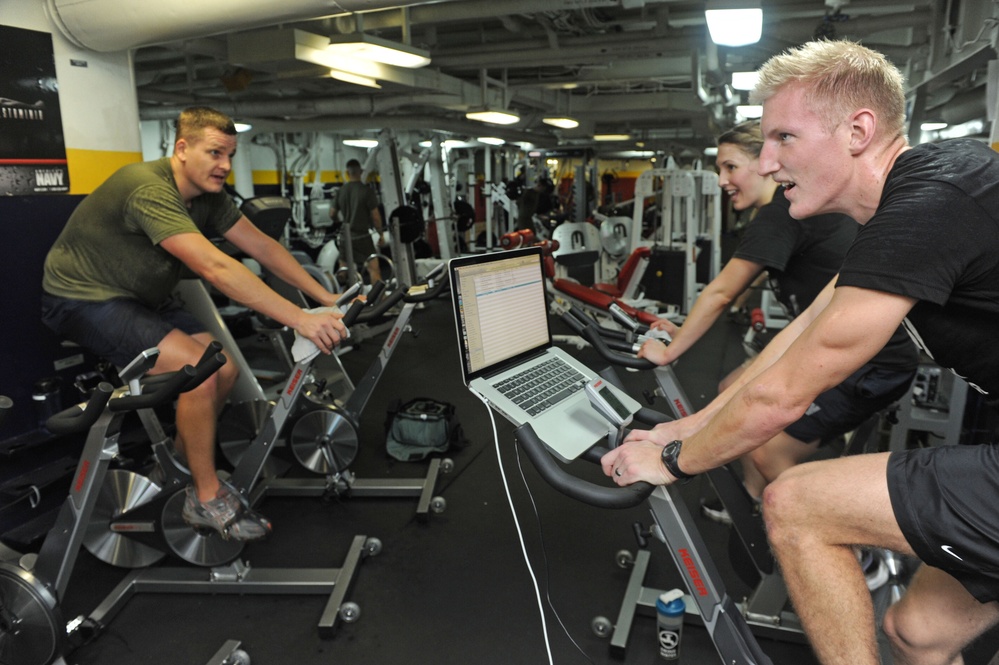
(265,177)
(90,168)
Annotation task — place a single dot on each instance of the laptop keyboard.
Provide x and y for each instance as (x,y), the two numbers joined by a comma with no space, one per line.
(543,386)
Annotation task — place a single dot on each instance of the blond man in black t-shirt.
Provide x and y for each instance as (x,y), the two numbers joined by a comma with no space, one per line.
(928,254)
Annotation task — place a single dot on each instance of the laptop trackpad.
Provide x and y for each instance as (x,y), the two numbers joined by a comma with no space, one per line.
(570,431)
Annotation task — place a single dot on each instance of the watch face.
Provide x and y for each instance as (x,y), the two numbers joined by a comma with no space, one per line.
(669,455)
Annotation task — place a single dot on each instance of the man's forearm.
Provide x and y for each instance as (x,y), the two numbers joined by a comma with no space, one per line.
(237,282)
(287,268)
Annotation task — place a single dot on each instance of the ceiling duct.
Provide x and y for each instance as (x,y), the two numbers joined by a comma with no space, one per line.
(115,25)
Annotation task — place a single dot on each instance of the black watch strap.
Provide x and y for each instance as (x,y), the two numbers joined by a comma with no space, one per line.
(671,451)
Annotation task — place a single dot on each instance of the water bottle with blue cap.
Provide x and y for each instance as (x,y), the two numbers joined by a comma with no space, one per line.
(670,609)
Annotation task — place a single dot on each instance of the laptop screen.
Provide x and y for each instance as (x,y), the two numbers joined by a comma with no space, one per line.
(500,309)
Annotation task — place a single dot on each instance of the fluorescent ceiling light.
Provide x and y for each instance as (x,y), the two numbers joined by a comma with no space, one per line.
(561,122)
(711,151)
(734,22)
(369,47)
(611,137)
(356,79)
(969,128)
(451,144)
(243,127)
(932,126)
(490,140)
(360,143)
(635,154)
(494,117)
(745,80)
(750,111)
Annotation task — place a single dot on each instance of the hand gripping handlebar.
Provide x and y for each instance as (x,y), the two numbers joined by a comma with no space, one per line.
(574,487)
(591,334)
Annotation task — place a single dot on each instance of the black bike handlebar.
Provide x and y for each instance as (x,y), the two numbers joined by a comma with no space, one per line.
(591,335)
(208,365)
(211,360)
(376,292)
(591,332)
(573,486)
(352,312)
(160,393)
(430,293)
(378,309)
(77,419)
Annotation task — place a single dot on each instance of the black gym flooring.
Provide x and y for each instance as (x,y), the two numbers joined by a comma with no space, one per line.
(453,589)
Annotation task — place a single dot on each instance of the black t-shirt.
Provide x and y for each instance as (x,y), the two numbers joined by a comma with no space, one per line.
(801,256)
(935,238)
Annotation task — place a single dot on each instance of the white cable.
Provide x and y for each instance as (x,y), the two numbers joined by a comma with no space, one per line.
(520,534)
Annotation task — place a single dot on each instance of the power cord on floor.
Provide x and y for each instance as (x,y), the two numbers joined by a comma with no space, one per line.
(520,535)
(523,547)
(544,555)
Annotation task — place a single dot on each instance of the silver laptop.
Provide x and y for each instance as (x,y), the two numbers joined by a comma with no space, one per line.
(507,355)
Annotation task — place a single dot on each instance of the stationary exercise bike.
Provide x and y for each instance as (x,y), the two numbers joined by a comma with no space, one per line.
(150,523)
(32,631)
(673,525)
(324,434)
(137,519)
(766,608)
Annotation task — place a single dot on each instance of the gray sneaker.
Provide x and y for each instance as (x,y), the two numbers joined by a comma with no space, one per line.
(227,514)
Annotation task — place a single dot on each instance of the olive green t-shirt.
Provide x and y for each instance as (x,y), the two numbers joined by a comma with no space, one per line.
(355,201)
(110,246)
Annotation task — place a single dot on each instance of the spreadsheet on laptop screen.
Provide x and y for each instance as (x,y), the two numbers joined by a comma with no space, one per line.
(503,310)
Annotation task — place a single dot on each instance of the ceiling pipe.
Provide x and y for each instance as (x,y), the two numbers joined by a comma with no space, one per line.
(417,123)
(365,105)
(965,106)
(470,10)
(595,49)
(466,10)
(116,25)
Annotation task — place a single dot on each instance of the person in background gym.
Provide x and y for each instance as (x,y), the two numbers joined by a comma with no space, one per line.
(800,258)
(928,255)
(109,277)
(358,204)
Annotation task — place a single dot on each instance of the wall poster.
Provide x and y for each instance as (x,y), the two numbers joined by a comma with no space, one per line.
(32,147)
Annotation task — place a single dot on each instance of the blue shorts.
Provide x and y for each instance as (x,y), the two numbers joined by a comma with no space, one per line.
(842,409)
(118,329)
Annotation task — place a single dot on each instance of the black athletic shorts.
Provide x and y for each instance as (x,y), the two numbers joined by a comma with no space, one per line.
(842,409)
(118,329)
(946,501)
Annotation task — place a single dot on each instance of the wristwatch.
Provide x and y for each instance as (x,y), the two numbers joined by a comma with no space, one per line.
(671,452)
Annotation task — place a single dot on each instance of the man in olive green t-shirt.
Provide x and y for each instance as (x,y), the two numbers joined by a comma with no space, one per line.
(110,273)
(358,204)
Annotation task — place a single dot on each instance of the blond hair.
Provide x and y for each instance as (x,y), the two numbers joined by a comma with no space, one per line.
(841,77)
(192,123)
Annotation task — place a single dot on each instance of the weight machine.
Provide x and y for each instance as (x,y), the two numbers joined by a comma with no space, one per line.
(687,241)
